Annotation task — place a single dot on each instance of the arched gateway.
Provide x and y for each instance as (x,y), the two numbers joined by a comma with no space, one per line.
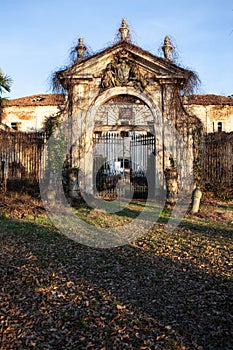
(124,140)
(126,118)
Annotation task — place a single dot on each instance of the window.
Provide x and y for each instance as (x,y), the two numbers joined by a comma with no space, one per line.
(14,125)
(219,126)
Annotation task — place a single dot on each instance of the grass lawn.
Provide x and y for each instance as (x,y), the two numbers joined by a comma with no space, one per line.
(167,290)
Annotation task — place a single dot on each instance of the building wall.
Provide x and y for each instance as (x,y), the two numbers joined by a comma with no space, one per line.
(29,113)
(212,115)
(31,116)
(28,118)
(213,111)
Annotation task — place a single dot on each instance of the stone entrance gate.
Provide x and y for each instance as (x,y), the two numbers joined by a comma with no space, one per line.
(126,116)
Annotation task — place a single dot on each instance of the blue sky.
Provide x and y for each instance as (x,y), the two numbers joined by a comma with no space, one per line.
(37,36)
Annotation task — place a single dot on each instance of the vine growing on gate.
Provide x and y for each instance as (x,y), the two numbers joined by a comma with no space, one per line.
(186,84)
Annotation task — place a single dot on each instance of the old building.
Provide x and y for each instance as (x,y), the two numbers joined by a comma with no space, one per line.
(215,112)
(28,113)
(126,112)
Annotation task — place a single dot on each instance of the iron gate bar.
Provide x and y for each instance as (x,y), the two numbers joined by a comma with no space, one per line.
(134,152)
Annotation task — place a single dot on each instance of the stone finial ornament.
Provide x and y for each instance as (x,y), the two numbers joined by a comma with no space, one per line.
(167,47)
(80,48)
(124,30)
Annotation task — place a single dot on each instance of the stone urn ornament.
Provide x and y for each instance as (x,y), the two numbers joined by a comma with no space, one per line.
(171,177)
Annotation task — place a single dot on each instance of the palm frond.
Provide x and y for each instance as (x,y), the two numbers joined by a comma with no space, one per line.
(5,82)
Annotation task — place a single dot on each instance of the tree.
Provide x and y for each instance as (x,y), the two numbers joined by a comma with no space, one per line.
(5,86)
(5,83)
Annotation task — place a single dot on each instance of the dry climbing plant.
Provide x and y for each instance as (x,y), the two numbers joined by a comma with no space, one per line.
(189,84)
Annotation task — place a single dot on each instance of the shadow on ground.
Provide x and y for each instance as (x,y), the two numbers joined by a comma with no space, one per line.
(57,294)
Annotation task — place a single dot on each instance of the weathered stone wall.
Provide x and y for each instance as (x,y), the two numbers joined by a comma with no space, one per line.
(212,115)
(29,113)
(29,119)
(211,110)
(88,98)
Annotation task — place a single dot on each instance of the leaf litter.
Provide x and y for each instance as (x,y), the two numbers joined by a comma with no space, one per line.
(164,291)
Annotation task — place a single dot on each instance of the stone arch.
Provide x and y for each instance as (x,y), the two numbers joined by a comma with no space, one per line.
(113,92)
(90,125)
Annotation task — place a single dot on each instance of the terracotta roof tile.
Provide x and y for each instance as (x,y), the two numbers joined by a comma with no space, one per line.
(59,99)
(37,100)
(209,99)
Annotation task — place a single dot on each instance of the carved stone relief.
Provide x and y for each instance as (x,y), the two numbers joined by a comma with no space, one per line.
(123,71)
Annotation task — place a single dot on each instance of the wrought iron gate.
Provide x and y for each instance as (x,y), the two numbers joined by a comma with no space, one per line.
(123,161)
(142,173)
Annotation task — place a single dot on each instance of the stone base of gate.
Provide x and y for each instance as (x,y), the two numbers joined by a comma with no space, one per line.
(171,177)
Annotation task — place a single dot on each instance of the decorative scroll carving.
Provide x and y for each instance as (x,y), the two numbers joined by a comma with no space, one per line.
(123,71)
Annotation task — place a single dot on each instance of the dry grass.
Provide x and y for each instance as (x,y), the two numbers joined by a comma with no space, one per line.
(164,291)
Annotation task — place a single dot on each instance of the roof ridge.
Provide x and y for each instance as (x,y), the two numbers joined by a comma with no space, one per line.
(36,99)
(209,99)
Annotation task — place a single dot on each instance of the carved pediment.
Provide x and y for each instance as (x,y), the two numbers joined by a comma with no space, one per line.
(123,71)
(123,64)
